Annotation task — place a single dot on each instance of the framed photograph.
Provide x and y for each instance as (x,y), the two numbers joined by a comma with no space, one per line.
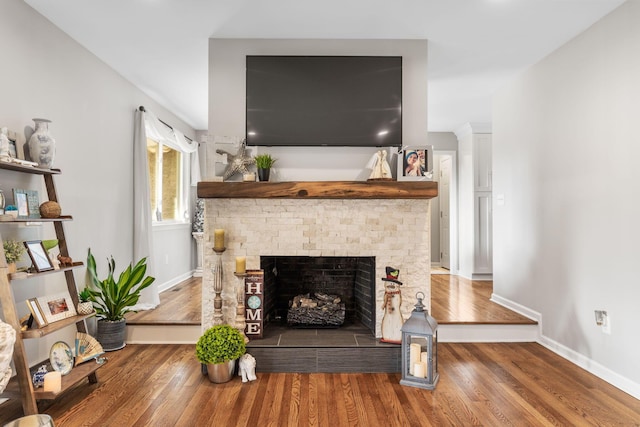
(36,312)
(56,307)
(27,202)
(16,145)
(38,254)
(415,163)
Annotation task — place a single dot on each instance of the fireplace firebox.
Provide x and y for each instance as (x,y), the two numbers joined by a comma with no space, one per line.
(343,288)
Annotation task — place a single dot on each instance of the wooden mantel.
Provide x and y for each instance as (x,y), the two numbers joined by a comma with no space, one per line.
(319,190)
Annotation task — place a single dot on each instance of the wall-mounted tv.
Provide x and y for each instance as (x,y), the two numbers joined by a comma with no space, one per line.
(324,101)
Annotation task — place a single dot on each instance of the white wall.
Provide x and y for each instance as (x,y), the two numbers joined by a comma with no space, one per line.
(565,159)
(46,74)
(227,100)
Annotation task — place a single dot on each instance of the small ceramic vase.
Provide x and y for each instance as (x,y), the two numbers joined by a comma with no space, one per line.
(42,146)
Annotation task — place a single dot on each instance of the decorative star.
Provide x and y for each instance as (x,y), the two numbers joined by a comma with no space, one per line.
(238,162)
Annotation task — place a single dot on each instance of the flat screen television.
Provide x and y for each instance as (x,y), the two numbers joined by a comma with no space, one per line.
(324,101)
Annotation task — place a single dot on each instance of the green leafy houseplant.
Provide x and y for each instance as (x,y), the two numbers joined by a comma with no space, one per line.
(112,298)
(13,250)
(219,344)
(264,161)
(85,295)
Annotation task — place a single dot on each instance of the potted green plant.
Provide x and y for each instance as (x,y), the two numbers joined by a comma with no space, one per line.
(85,306)
(112,299)
(13,251)
(218,348)
(264,162)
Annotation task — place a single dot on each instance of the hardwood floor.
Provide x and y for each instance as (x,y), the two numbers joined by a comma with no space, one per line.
(180,305)
(453,300)
(521,384)
(456,300)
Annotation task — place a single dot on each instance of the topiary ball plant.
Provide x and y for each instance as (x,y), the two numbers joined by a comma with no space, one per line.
(220,344)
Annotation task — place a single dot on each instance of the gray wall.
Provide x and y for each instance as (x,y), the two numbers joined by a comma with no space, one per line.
(227,100)
(44,73)
(565,160)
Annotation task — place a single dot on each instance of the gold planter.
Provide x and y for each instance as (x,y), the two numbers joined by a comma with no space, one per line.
(221,372)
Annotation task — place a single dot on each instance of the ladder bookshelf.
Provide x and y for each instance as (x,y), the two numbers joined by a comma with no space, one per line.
(21,386)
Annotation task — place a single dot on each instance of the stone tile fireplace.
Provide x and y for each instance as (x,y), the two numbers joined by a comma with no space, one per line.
(393,230)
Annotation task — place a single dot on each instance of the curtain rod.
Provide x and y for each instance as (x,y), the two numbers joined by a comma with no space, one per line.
(165,123)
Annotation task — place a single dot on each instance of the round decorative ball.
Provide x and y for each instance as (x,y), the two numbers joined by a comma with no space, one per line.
(50,209)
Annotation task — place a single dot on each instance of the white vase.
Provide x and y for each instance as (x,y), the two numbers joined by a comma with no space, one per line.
(42,146)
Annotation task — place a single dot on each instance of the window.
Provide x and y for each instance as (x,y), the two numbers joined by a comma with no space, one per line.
(167,184)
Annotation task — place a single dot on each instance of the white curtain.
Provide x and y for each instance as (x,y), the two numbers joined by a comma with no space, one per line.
(147,125)
(142,226)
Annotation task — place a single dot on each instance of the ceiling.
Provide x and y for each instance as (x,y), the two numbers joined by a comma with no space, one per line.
(475,46)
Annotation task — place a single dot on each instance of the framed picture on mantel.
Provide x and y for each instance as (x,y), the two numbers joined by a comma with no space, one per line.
(415,163)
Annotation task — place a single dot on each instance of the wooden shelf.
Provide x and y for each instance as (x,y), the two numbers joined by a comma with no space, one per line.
(28,169)
(77,374)
(21,386)
(44,273)
(23,220)
(319,190)
(55,326)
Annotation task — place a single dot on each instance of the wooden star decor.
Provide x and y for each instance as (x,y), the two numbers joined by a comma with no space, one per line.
(238,162)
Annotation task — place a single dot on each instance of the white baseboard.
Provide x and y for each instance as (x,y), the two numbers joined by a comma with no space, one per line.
(173,282)
(487,333)
(520,309)
(592,367)
(163,334)
(561,350)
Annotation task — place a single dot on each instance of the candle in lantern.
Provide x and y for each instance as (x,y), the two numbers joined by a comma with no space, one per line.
(414,356)
(420,370)
(241,265)
(424,357)
(53,382)
(218,239)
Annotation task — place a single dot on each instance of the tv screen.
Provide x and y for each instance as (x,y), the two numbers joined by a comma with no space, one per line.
(324,101)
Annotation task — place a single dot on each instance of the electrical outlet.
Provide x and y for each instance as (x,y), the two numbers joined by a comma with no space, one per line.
(606,325)
(603,320)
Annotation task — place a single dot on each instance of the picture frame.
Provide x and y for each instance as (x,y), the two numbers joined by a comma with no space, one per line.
(56,307)
(36,312)
(27,202)
(39,256)
(420,169)
(16,145)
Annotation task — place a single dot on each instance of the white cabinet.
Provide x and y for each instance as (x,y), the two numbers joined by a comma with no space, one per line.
(482,161)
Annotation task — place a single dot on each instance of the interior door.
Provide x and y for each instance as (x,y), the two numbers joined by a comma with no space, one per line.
(445,220)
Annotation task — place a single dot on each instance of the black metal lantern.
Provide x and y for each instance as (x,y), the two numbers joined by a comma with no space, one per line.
(420,348)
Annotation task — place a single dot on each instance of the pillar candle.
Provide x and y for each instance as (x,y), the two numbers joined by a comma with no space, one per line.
(424,357)
(249,177)
(218,239)
(241,265)
(53,382)
(414,356)
(420,370)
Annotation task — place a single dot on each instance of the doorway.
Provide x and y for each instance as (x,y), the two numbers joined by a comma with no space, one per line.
(444,212)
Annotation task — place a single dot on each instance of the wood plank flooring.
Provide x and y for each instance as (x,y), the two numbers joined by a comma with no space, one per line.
(454,299)
(180,305)
(517,384)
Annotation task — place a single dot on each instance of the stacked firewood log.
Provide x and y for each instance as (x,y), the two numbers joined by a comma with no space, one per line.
(316,310)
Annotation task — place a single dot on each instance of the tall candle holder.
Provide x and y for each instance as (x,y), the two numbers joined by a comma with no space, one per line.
(241,323)
(217,286)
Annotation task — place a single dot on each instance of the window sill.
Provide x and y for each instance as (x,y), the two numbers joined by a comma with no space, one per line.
(171,225)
